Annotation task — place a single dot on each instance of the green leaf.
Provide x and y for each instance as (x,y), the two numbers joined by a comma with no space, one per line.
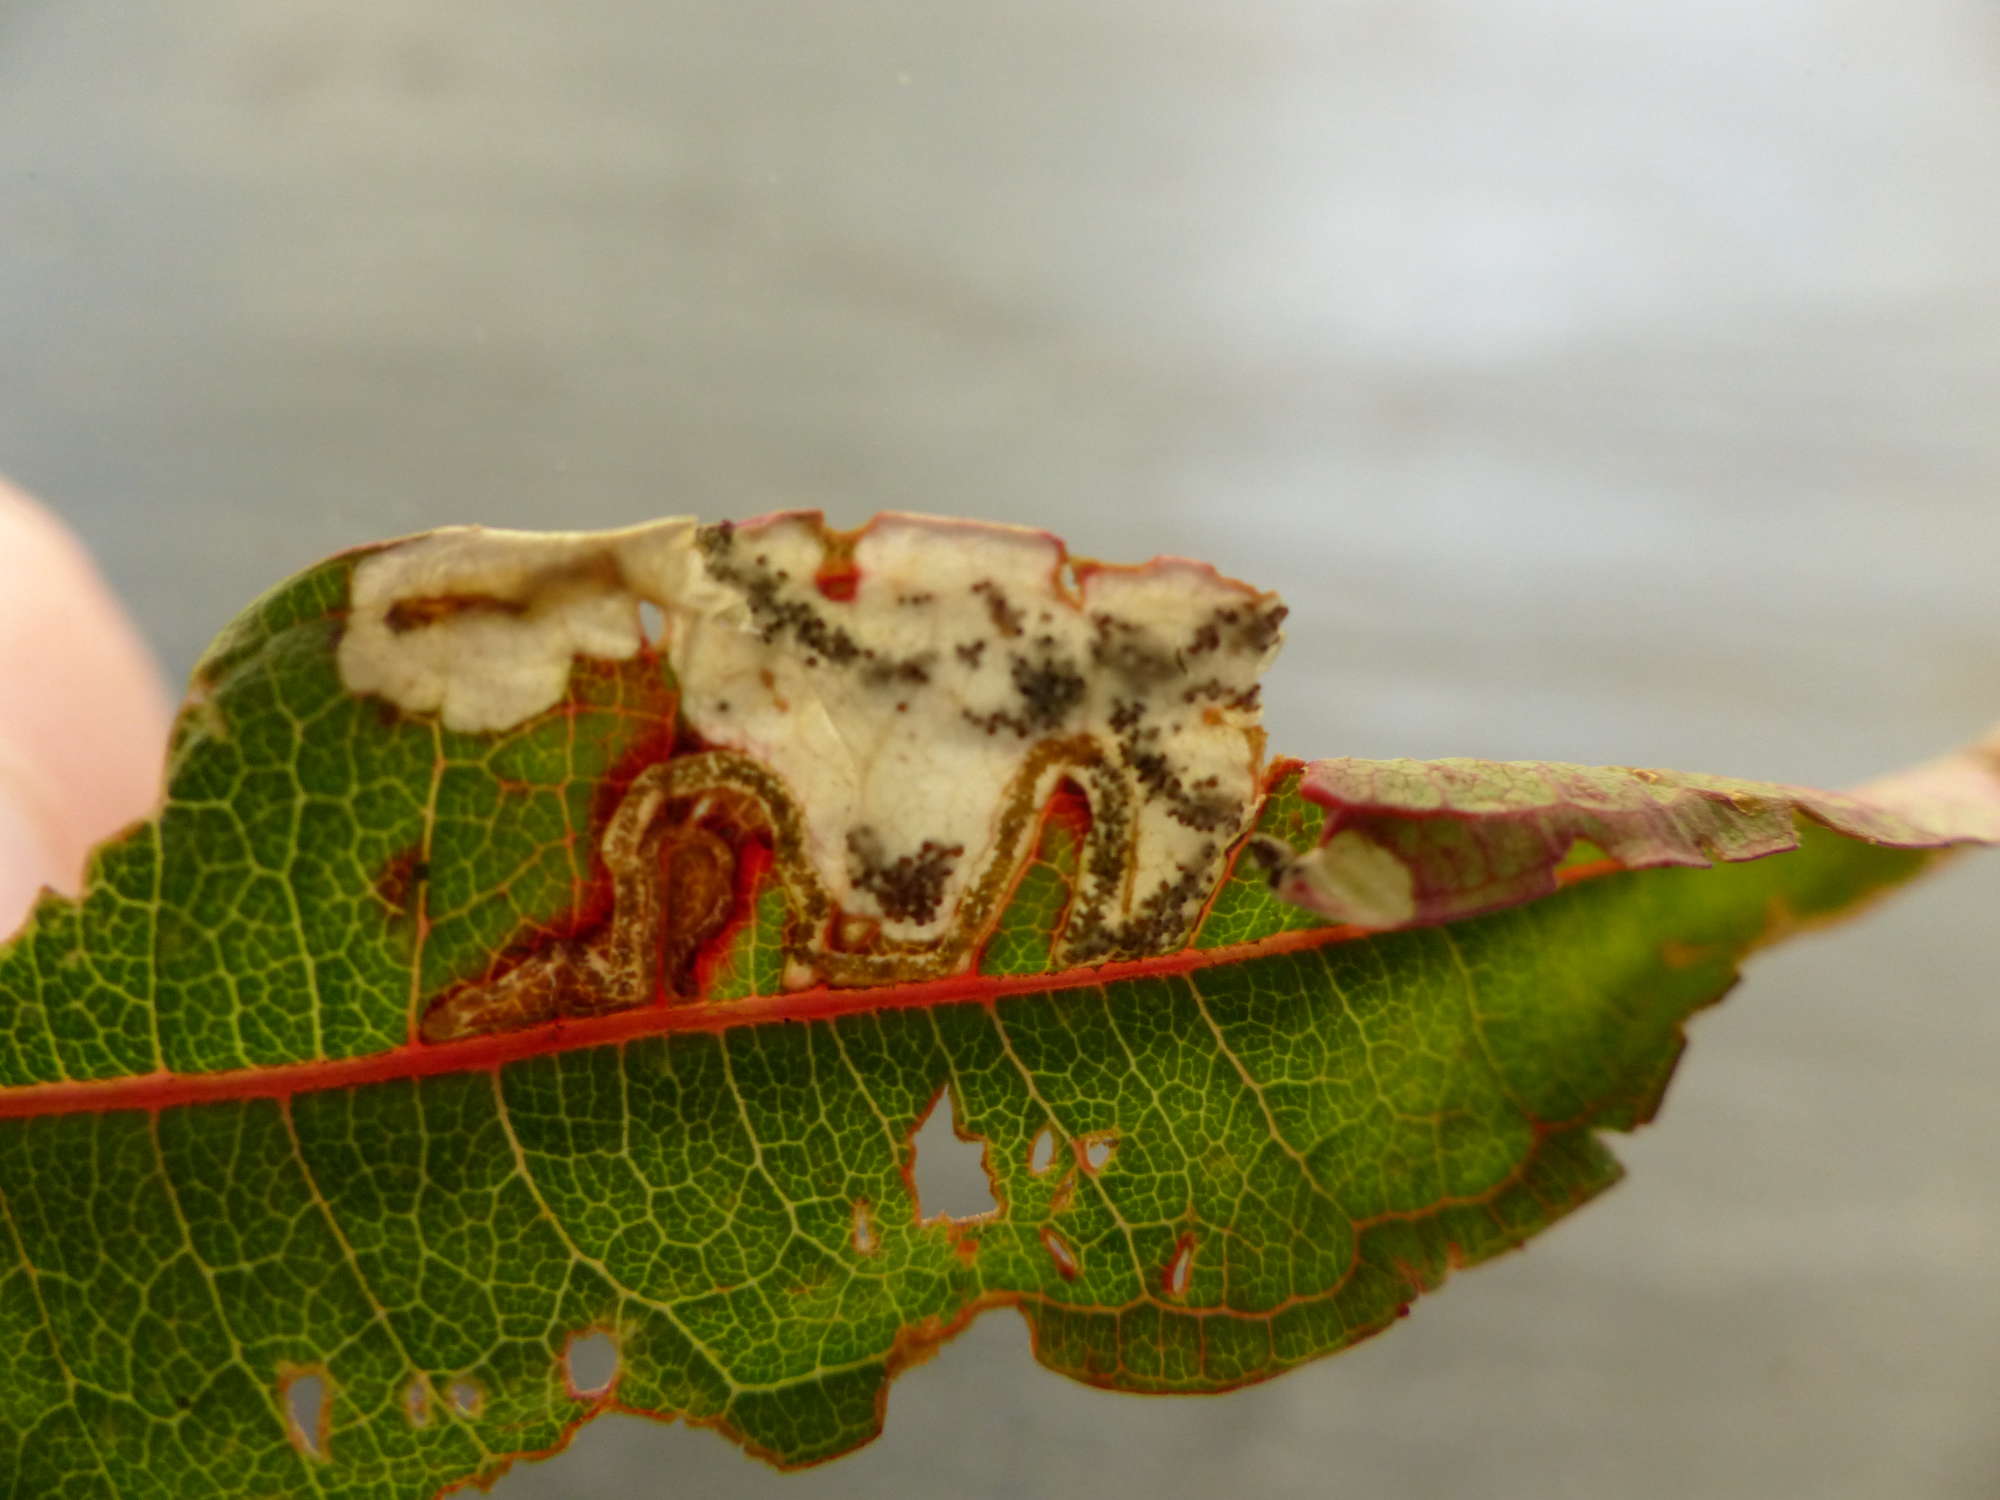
(500,972)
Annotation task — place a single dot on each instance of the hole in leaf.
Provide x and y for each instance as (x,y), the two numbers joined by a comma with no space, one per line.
(652,622)
(1180,1269)
(948,1173)
(417,1402)
(865,1239)
(590,1361)
(1060,1253)
(307,1401)
(1095,1150)
(1042,1151)
(467,1397)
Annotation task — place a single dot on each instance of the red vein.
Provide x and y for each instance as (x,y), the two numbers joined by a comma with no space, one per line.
(164,1090)
(167,1090)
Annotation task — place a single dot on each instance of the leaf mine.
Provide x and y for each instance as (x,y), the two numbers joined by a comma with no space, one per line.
(894,741)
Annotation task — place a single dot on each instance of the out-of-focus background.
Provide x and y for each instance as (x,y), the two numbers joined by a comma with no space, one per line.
(1605,382)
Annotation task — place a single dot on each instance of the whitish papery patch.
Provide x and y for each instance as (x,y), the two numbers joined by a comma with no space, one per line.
(905,697)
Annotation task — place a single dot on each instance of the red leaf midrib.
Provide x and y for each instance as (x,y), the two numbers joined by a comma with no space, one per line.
(163,1090)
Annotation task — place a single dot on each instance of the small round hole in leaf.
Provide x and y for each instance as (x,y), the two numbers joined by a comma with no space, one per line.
(307,1400)
(1095,1151)
(590,1361)
(1042,1151)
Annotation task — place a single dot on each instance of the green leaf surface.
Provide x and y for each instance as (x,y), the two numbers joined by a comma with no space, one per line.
(497,975)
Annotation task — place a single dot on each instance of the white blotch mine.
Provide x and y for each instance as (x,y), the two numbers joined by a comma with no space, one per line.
(1353,879)
(913,685)
(481,626)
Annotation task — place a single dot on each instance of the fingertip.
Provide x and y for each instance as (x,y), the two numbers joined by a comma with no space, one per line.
(83,714)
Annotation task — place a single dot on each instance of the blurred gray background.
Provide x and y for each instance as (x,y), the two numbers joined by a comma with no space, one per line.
(1604,382)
